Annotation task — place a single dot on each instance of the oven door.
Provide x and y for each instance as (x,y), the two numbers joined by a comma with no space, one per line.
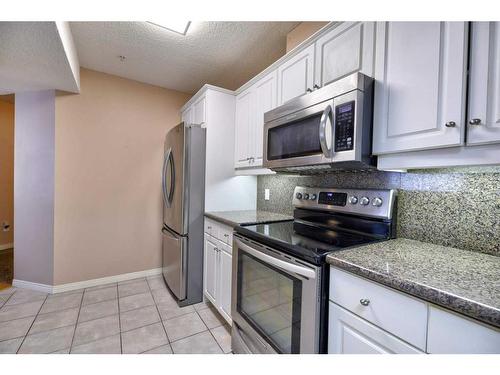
(302,138)
(275,301)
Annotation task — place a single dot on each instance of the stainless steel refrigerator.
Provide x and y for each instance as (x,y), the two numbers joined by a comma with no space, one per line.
(183,186)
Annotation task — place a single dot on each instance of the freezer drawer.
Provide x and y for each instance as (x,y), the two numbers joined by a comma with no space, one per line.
(174,249)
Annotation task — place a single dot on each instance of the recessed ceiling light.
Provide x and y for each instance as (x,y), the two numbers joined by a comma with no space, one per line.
(180,27)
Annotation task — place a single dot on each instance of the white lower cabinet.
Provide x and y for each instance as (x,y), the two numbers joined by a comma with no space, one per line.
(350,334)
(450,333)
(366,317)
(210,268)
(218,267)
(225,263)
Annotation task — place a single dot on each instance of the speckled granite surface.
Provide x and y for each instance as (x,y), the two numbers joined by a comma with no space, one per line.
(250,217)
(458,207)
(464,281)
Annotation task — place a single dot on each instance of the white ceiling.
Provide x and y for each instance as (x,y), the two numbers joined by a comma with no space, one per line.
(36,56)
(225,54)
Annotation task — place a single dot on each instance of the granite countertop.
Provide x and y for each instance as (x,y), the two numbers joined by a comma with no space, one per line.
(250,217)
(463,281)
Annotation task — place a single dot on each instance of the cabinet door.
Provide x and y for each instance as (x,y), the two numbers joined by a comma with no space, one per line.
(199,111)
(449,333)
(349,334)
(484,84)
(420,70)
(265,99)
(210,264)
(346,49)
(296,75)
(242,131)
(187,116)
(225,263)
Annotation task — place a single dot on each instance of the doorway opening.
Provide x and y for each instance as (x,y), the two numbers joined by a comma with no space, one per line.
(6,190)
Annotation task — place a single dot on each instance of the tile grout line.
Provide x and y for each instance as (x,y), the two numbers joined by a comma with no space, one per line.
(159,315)
(119,318)
(220,347)
(31,325)
(76,324)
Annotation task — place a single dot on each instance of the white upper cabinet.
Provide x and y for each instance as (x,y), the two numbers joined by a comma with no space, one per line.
(296,75)
(242,131)
(265,100)
(199,111)
(346,49)
(251,105)
(484,84)
(420,72)
(187,116)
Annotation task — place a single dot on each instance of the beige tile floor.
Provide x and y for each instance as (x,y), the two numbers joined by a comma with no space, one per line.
(135,316)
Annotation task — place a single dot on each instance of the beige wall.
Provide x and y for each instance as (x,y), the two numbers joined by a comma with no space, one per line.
(109,151)
(6,169)
(301,32)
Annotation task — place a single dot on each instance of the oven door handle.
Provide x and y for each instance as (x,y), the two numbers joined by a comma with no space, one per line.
(285,266)
(327,114)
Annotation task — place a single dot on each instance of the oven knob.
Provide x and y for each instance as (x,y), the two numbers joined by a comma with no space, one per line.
(364,201)
(377,202)
(306,196)
(313,197)
(298,195)
(353,199)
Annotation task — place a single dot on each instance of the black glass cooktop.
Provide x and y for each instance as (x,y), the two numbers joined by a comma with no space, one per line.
(309,242)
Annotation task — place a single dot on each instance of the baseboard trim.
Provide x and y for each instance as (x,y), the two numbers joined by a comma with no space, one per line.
(53,289)
(7,246)
(32,286)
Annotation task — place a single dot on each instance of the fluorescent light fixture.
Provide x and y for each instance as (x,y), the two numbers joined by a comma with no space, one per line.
(180,27)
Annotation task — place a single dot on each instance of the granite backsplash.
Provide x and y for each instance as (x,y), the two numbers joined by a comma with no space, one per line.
(458,207)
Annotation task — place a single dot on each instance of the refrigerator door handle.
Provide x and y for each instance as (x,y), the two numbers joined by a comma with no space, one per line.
(168,194)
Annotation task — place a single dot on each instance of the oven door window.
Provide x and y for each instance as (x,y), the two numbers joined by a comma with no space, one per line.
(270,301)
(294,139)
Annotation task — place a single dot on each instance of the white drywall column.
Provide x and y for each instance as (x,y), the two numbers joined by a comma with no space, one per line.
(34,165)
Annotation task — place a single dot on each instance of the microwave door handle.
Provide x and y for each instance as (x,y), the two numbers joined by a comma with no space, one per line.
(327,114)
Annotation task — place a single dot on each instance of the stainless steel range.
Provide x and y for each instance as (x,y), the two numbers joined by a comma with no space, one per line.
(280,276)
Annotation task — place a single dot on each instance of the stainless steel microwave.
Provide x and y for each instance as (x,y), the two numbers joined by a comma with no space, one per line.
(329,128)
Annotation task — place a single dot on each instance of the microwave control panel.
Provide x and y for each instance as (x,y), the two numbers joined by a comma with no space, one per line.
(344,126)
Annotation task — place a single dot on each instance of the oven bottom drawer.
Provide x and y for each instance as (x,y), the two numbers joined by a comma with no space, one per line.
(242,343)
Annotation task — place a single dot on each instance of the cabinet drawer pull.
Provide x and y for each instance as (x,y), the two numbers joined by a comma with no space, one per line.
(475,121)
(450,124)
(364,301)
(226,235)
(309,90)
(209,227)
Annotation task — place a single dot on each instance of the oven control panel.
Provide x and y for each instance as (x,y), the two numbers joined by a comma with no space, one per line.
(362,202)
(344,126)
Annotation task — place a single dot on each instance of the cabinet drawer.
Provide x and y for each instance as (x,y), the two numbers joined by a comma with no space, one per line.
(211,228)
(400,315)
(349,334)
(226,234)
(450,333)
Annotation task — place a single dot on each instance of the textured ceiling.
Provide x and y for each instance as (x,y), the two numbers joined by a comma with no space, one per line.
(225,54)
(32,57)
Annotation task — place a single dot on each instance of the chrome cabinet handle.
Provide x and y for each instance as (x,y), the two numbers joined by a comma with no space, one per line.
(450,124)
(475,121)
(364,301)
(327,114)
(309,90)
(315,87)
